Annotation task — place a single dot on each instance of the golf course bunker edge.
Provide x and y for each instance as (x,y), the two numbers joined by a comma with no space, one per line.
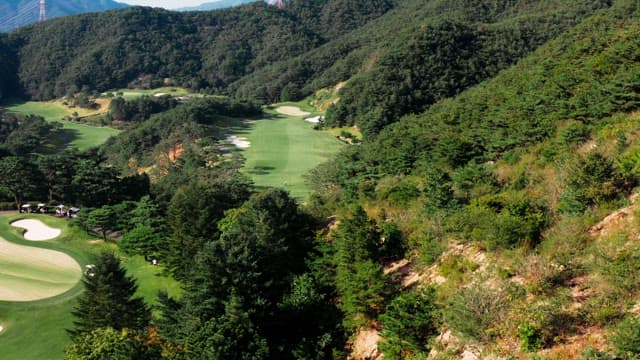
(36,230)
(29,273)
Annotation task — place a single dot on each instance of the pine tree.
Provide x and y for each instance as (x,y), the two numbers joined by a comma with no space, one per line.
(359,277)
(108,299)
(232,336)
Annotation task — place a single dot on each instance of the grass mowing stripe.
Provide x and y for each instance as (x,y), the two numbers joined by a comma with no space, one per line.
(283,150)
(36,329)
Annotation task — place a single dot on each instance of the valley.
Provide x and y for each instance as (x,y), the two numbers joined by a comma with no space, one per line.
(283,149)
(324,179)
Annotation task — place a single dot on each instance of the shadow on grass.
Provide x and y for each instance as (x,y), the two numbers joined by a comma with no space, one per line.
(261,170)
(12,101)
(62,138)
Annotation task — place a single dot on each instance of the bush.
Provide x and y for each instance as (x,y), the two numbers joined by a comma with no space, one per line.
(593,354)
(546,323)
(626,337)
(530,339)
(455,267)
(475,310)
(403,193)
(430,249)
(623,269)
(574,134)
(410,321)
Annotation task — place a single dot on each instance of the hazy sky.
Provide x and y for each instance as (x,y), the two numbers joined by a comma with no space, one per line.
(168,4)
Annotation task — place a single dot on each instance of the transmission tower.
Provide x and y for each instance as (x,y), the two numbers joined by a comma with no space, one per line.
(277,3)
(43,11)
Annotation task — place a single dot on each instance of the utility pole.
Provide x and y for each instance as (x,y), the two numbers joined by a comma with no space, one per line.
(43,11)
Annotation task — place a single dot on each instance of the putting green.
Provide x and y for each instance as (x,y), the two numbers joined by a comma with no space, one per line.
(30,273)
(283,149)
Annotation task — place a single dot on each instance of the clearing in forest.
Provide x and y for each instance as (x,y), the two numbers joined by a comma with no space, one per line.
(284,148)
(80,136)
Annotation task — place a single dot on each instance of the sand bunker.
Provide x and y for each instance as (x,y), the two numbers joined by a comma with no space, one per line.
(36,230)
(30,273)
(239,142)
(291,111)
(314,120)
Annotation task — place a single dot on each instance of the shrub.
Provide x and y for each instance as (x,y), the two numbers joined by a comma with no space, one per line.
(593,354)
(626,337)
(574,134)
(474,311)
(455,267)
(410,321)
(530,339)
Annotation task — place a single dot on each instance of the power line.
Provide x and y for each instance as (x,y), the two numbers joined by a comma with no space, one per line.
(24,16)
(22,11)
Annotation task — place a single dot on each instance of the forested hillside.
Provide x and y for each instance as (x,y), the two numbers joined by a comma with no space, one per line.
(489,210)
(260,52)
(199,50)
(499,193)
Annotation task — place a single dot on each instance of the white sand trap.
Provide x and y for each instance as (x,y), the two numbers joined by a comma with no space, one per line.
(37,230)
(29,273)
(291,111)
(314,120)
(239,142)
(1,328)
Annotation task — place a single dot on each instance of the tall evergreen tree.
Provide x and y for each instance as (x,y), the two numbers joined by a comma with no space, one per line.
(108,299)
(359,277)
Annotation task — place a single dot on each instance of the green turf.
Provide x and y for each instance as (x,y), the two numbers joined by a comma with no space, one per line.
(283,150)
(36,329)
(76,135)
(134,93)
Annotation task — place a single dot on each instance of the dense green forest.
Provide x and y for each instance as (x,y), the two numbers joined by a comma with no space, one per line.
(497,137)
(257,52)
(200,50)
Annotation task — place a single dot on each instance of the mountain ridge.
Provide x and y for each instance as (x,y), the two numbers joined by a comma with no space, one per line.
(215,5)
(18,13)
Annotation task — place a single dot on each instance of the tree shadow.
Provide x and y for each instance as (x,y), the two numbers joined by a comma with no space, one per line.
(63,139)
(261,170)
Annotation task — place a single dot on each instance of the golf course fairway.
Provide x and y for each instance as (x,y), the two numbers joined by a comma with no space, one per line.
(80,136)
(283,149)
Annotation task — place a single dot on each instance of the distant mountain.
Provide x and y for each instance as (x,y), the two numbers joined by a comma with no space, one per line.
(220,4)
(17,13)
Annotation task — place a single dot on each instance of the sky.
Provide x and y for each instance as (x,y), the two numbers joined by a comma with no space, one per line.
(167,4)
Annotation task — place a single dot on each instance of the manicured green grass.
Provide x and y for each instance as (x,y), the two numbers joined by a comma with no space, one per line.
(283,150)
(28,273)
(36,329)
(134,93)
(76,135)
